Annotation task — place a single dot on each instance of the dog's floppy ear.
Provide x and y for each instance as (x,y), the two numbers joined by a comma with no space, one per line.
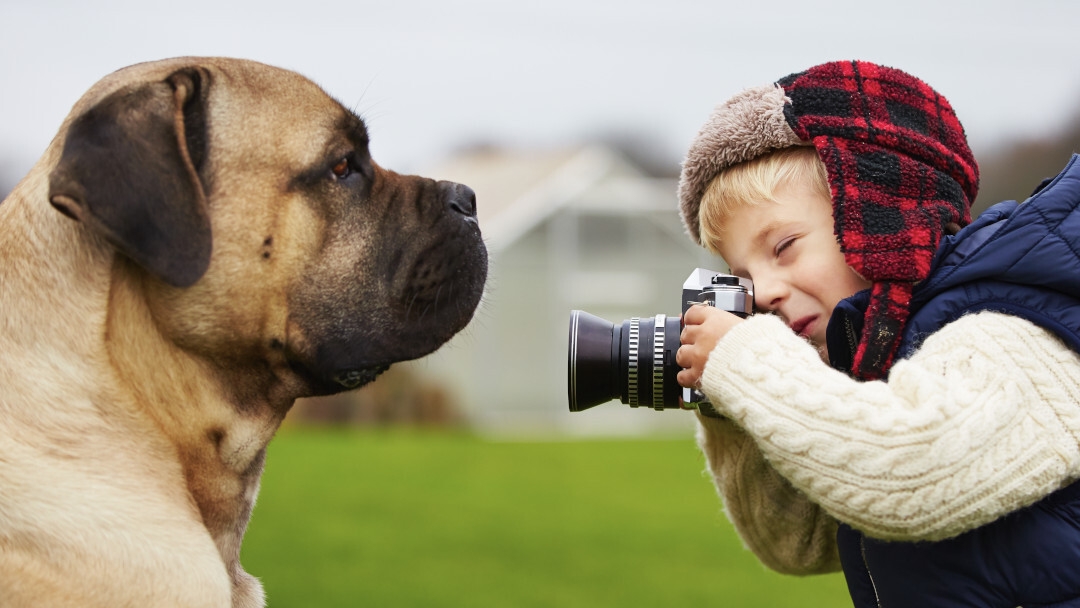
(130,170)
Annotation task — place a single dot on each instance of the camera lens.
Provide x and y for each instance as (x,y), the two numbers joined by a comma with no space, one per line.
(593,360)
(633,362)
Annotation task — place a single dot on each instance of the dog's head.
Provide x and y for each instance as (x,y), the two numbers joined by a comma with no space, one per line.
(247,211)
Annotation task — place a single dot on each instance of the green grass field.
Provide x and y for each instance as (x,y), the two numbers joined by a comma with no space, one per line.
(410,518)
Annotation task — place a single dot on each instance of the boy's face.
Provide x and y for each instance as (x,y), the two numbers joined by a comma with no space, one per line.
(789,250)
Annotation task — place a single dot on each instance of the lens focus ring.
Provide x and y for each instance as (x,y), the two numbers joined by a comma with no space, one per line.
(632,361)
(658,362)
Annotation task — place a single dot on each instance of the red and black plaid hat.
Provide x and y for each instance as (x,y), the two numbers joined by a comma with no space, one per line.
(899,168)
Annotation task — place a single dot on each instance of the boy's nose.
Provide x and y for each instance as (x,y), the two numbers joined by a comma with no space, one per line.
(769,294)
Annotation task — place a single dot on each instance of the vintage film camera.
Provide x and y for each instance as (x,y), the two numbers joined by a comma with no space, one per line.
(635,362)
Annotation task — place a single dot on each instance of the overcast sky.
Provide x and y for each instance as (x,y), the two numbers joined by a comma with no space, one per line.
(431,75)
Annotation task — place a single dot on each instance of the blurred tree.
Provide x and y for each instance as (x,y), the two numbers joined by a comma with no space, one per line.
(1013,171)
(400,397)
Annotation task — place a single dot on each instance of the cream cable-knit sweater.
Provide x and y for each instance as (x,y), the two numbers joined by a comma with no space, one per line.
(982,420)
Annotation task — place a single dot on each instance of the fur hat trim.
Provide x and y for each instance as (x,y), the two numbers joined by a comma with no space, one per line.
(748,125)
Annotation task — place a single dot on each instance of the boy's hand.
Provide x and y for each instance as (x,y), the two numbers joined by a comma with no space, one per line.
(703,327)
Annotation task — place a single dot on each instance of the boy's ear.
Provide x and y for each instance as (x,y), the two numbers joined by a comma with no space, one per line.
(129,169)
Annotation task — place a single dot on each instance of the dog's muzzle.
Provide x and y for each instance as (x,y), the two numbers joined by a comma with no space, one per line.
(427,282)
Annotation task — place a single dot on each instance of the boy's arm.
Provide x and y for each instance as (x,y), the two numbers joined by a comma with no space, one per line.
(786,531)
(981,421)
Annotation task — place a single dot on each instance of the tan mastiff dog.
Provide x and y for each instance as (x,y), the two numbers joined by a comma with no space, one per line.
(203,242)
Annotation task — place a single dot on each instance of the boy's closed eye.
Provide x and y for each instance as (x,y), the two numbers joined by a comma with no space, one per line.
(783,246)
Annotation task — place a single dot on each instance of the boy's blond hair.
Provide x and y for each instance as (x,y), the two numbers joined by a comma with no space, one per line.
(756,181)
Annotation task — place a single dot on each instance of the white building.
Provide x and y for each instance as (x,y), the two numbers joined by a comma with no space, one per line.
(573,228)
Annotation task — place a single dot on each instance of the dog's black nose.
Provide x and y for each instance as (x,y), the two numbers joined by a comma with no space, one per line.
(459,198)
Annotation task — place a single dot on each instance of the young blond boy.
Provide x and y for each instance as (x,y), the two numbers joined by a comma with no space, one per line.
(909,411)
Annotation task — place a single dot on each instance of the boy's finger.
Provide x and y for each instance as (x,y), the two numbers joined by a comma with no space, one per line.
(684,356)
(687,378)
(689,334)
(695,315)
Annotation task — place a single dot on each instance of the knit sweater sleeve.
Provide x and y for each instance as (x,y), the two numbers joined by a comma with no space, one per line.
(982,420)
(778,523)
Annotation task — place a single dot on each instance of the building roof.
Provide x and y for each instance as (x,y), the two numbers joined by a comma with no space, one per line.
(517,189)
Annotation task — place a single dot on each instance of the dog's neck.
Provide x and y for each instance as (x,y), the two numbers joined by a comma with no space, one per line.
(53,285)
(73,292)
(220,442)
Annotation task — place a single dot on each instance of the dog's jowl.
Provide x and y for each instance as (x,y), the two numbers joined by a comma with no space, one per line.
(204,241)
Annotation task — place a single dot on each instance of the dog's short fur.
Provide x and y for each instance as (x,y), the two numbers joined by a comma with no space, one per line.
(204,241)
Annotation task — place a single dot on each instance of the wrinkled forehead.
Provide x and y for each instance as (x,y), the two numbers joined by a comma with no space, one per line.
(260,110)
(274,112)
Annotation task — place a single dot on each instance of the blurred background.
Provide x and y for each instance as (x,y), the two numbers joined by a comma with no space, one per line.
(461,479)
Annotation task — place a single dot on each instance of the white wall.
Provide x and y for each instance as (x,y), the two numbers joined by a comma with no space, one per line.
(508,369)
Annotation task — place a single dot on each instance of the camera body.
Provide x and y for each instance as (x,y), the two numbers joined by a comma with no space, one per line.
(724,291)
(635,361)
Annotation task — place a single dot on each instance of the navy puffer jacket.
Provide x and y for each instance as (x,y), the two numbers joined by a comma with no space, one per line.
(1023,260)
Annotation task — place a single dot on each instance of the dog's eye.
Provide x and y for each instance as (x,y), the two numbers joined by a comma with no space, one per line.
(342,169)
